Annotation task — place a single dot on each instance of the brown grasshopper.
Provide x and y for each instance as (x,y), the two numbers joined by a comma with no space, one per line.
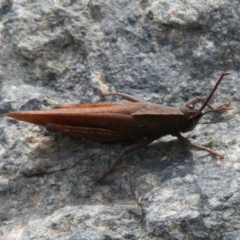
(137,121)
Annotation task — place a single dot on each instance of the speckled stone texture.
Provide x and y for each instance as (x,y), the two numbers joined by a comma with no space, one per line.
(160,51)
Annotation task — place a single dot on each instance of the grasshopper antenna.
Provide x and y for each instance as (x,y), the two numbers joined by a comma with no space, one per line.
(214,89)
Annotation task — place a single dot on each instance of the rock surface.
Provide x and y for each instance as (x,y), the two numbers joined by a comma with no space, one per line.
(160,51)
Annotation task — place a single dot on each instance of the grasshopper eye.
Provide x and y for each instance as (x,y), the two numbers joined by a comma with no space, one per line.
(190,106)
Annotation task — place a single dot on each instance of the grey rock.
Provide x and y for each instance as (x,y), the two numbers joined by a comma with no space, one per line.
(163,52)
(88,222)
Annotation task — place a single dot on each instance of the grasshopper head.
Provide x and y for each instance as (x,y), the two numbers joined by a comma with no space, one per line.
(192,115)
(191,118)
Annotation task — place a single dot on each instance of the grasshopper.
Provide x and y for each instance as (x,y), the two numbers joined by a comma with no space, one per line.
(136,121)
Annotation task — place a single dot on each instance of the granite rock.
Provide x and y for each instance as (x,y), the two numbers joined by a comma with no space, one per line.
(164,52)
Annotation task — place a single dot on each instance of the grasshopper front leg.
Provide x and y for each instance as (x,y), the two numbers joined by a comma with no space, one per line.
(196,100)
(187,142)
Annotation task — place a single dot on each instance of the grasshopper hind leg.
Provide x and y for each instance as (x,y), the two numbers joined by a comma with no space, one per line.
(89,133)
(123,95)
(99,135)
(127,150)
